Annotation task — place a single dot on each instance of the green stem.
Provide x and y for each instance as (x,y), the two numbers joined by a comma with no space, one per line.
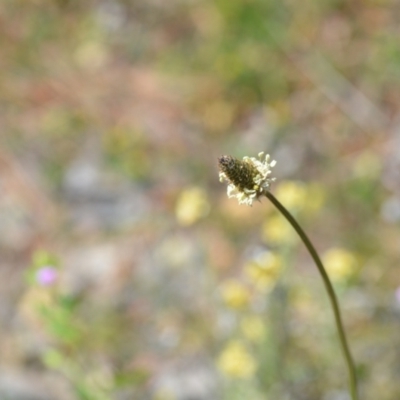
(329,288)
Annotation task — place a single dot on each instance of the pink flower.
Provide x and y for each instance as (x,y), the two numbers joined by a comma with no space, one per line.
(46,276)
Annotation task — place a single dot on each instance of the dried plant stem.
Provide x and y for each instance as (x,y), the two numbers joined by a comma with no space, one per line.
(329,288)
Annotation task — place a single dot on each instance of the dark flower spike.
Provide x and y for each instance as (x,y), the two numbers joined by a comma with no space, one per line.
(248,178)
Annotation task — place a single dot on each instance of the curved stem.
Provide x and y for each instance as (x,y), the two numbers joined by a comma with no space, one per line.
(329,288)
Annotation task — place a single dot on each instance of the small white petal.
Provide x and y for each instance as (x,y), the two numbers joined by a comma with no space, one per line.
(231,190)
(222,177)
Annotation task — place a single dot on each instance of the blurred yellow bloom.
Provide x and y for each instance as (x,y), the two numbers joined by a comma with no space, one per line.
(339,263)
(277,230)
(367,165)
(264,270)
(164,394)
(235,361)
(253,328)
(192,205)
(235,294)
(315,197)
(91,54)
(291,194)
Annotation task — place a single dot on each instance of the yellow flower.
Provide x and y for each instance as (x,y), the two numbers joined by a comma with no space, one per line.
(253,328)
(91,55)
(192,205)
(291,194)
(315,197)
(164,394)
(235,294)
(236,362)
(340,263)
(277,230)
(367,165)
(264,270)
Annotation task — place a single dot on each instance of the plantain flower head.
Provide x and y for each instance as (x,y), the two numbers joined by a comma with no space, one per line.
(248,179)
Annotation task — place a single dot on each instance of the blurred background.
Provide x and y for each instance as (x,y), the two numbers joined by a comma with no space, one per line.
(125,271)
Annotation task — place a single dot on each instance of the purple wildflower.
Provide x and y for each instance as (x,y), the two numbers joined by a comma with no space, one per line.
(46,276)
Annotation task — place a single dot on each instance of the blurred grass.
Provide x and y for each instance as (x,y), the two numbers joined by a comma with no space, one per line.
(113,114)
